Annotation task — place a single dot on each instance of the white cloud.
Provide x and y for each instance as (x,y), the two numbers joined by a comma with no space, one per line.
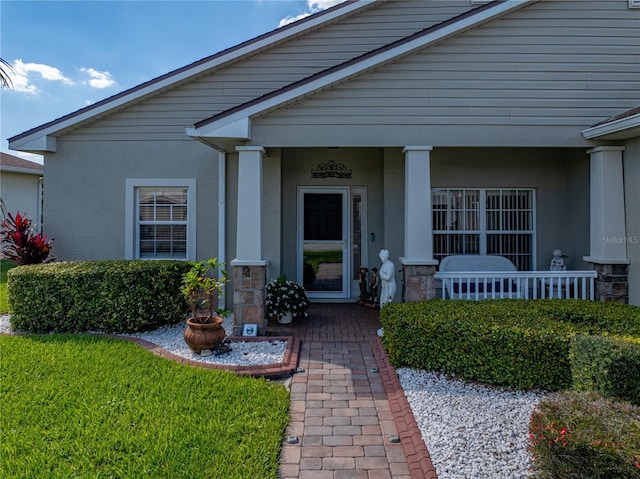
(24,76)
(314,6)
(317,5)
(290,19)
(23,73)
(98,79)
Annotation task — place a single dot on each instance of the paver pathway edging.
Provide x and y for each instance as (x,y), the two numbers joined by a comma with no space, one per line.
(415,450)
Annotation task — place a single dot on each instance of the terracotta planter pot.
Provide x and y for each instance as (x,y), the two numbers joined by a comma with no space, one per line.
(204,336)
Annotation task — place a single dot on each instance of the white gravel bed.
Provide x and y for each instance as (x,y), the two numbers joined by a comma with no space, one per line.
(471,431)
(243,353)
(5,326)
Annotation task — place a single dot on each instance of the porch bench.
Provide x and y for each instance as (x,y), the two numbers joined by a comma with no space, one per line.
(494,277)
(483,286)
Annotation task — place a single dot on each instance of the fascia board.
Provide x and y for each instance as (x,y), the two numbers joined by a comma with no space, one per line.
(36,144)
(239,130)
(612,127)
(24,171)
(186,73)
(307,88)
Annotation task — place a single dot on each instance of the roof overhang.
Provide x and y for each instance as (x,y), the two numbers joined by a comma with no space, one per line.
(620,129)
(238,119)
(24,171)
(36,144)
(42,138)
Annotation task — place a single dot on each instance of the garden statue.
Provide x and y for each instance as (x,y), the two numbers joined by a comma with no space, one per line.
(557,263)
(362,278)
(387,277)
(373,283)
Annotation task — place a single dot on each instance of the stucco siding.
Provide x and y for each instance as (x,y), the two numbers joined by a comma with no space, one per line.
(85,193)
(536,77)
(20,193)
(166,115)
(632,207)
(559,177)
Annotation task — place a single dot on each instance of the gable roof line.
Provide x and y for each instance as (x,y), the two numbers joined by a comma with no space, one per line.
(342,72)
(182,74)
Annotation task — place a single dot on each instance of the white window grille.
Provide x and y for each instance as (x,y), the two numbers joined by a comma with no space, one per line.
(499,221)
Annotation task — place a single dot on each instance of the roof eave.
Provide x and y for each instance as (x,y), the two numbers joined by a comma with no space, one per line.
(622,129)
(23,171)
(38,145)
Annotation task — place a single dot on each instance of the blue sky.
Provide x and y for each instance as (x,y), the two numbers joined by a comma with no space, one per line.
(69,54)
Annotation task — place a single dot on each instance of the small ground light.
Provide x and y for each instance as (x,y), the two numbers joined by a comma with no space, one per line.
(394,438)
(292,439)
(374,370)
(300,370)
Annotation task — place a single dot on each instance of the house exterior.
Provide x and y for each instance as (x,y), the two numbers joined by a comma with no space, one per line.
(425,127)
(21,187)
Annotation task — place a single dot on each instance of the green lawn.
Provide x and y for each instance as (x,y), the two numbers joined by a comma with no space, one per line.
(92,407)
(5,265)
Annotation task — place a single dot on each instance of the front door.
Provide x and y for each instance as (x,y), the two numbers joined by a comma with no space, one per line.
(323,242)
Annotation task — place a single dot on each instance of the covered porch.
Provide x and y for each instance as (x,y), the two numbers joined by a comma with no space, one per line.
(392,198)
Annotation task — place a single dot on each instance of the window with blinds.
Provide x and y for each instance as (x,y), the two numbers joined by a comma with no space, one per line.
(498,221)
(162,222)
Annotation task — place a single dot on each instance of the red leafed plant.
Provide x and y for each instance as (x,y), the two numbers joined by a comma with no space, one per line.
(20,244)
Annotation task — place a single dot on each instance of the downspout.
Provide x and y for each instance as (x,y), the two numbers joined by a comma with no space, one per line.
(222,231)
(40,208)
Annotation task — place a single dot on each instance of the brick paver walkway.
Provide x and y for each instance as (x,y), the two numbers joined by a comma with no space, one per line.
(346,399)
(339,409)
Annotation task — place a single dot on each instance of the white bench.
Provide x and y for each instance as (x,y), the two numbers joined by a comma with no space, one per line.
(492,277)
(489,283)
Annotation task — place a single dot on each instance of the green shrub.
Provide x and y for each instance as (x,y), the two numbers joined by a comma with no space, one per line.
(593,317)
(519,343)
(608,365)
(581,435)
(110,296)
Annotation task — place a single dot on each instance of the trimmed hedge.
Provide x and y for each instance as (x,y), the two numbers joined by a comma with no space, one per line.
(610,366)
(581,435)
(524,344)
(108,296)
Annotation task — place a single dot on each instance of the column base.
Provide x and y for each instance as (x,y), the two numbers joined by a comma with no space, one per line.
(612,282)
(419,283)
(248,297)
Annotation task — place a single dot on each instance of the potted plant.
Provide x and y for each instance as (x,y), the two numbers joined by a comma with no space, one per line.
(202,288)
(285,300)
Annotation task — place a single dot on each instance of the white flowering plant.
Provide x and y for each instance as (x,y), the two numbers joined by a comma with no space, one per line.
(283,295)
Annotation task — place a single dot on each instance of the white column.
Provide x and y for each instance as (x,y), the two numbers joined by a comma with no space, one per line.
(418,227)
(608,243)
(249,229)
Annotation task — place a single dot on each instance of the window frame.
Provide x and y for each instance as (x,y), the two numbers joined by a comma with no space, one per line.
(132,241)
(483,231)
